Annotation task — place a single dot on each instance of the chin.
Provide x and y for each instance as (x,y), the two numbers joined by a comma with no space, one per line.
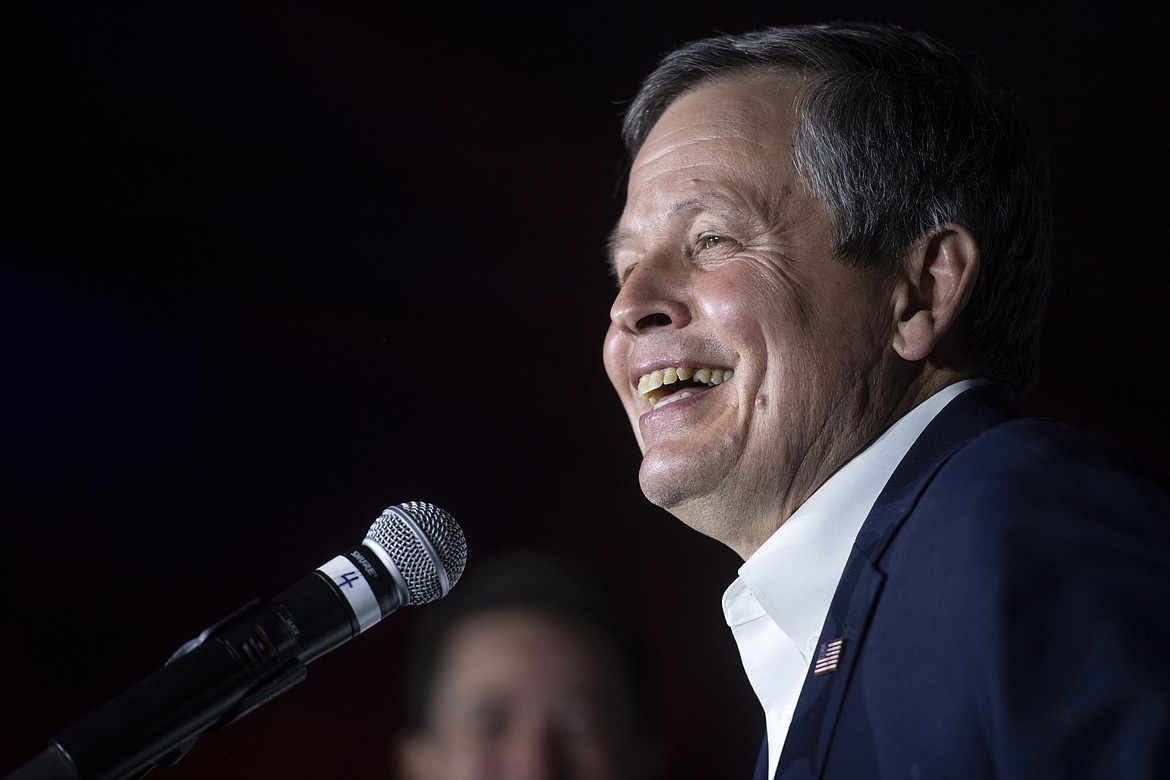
(696,495)
(687,494)
(669,485)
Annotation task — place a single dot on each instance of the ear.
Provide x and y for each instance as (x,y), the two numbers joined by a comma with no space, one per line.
(938,276)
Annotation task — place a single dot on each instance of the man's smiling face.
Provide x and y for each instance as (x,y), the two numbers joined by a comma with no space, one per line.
(745,354)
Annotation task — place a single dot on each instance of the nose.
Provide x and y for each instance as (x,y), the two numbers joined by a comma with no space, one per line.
(651,297)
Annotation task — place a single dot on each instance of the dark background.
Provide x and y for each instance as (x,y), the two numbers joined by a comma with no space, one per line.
(268,270)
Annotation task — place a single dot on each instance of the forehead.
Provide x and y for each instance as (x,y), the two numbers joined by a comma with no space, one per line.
(754,106)
(714,148)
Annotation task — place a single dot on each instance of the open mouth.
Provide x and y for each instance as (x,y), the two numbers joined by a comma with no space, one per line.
(674,383)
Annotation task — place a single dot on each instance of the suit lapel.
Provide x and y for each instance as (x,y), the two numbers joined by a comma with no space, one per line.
(822,694)
(761,770)
(811,732)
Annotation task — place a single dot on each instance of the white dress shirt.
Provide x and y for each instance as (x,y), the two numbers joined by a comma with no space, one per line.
(779,602)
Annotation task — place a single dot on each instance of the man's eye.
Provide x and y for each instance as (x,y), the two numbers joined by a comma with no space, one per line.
(713,241)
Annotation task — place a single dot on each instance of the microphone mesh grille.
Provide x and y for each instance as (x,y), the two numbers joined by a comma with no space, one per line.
(427,545)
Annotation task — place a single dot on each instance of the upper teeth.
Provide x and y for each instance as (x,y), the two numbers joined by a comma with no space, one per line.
(650,385)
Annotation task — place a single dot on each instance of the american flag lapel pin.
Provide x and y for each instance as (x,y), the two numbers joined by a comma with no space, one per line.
(828,657)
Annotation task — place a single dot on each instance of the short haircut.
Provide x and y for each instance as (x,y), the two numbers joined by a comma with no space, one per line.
(897,134)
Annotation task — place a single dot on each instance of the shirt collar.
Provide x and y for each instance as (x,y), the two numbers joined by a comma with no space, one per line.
(793,575)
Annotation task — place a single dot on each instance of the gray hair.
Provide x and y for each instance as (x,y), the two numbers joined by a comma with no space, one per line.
(897,134)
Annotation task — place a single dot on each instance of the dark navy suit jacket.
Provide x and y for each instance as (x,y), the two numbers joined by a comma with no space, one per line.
(1005,613)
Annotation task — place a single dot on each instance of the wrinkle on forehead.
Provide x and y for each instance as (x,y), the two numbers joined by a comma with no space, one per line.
(744,120)
(725,145)
(741,103)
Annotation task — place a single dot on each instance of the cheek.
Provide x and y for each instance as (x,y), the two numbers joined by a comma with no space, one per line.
(743,294)
(742,317)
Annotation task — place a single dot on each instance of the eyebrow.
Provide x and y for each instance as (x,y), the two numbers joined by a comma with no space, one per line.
(619,237)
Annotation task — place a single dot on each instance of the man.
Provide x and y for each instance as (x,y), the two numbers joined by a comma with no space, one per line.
(832,264)
(524,674)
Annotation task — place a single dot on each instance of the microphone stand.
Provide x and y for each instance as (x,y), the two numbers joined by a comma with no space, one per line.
(243,661)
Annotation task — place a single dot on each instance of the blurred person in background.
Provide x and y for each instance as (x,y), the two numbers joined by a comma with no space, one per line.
(525,673)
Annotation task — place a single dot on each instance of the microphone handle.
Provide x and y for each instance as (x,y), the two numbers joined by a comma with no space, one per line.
(240,663)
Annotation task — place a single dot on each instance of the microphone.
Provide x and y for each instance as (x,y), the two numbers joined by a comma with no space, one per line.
(414,553)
